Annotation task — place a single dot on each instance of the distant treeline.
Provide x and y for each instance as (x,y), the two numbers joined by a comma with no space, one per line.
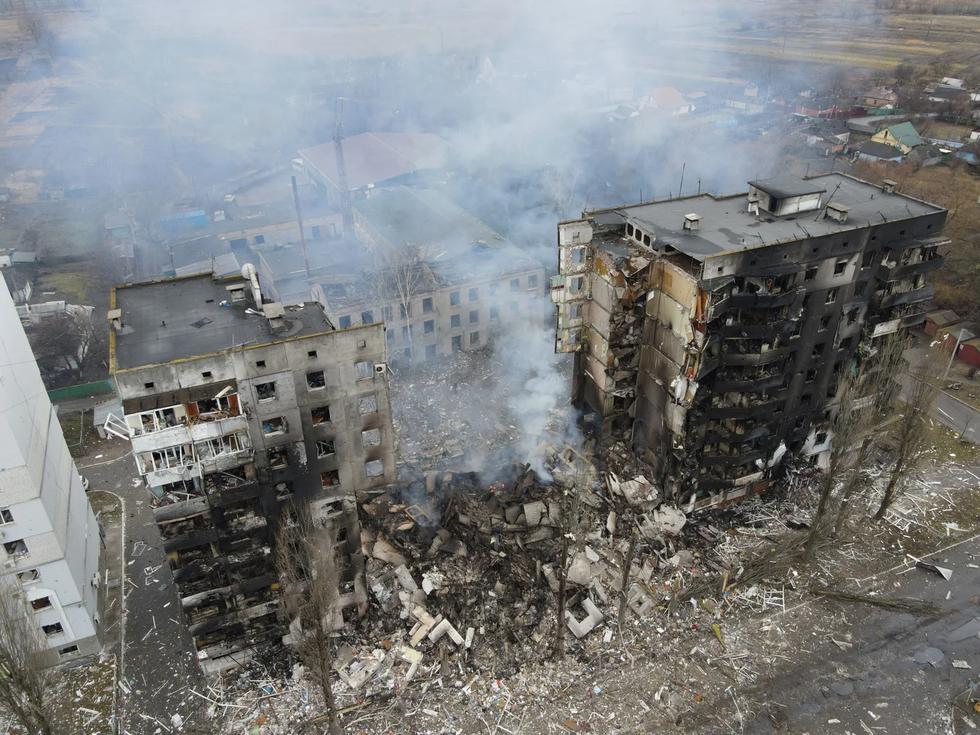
(934,7)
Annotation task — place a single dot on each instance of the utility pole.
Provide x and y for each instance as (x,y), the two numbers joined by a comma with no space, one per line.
(346,208)
(956,348)
(302,234)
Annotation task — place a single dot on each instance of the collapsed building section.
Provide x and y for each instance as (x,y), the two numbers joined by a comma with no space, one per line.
(713,331)
(240,411)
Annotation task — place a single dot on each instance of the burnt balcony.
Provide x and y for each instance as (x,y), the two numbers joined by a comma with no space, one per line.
(747,383)
(763,300)
(721,434)
(736,458)
(912,296)
(916,242)
(770,404)
(750,355)
(896,271)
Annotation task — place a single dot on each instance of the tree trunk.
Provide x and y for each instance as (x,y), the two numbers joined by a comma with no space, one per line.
(625,582)
(854,482)
(562,562)
(889,496)
(325,665)
(815,523)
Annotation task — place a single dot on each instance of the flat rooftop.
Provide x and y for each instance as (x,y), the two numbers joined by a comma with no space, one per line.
(726,225)
(175,318)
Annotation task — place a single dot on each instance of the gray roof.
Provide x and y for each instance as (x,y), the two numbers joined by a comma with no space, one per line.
(879,150)
(183,317)
(727,225)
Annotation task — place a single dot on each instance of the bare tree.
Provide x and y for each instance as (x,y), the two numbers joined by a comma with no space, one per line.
(24,683)
(881,387)
(845,426)
(56,343)
(912,430)
(307,563)
(401,275)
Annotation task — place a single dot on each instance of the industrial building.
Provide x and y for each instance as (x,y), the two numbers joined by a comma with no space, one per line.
(52,544)
(240,412)
(712,331)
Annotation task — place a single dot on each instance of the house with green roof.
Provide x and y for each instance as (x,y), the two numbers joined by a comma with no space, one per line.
(903,136)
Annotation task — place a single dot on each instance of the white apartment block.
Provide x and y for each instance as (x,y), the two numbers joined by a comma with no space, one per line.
(51,539)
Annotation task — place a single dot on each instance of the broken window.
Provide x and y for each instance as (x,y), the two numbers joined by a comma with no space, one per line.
(577,284)
(427,305)
(817,351)
(367,317)
(374,468)
(474,294)
(28,575)
(320,415)
(6,516)
(52,629)
(324,448)
(41,603)
(821,437)
(825,321)
(260,363)
(316,379)
(330,478)
(457,343)
(147,385)
(839,267)
(430,352)
(68,650)
(275,425)
(265,391)
(429,326)
(474,338)
(454,298)
(371,437)
(344,321)
(311,354)
(811,375)
(15,548)
(577,256)
(364,369)
(454,320)
(367,404)
(515,284)
(811,273)
(831,296)
(277,457)
(845,344)
(494,313)
(852,316)
(474,317)
(574,311)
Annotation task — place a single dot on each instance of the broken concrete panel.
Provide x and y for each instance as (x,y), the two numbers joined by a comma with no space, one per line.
(384,551)
(581,628)
(669,519)
(580,570)
(533,512)
(405,578)
(444,627)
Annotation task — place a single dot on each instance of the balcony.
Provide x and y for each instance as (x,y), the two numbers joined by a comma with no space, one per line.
(771,405)
(896,271)
(168,475)
(906,297)
(764,300)
(738,458)
(927,242)
(721,434)
(752,358)
(746,384)
(171,436)
(220,426)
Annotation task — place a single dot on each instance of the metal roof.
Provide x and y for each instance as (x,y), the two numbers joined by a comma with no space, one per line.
(783,187)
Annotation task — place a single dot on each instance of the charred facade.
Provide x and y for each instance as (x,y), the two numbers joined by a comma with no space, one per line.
(713,331)
(240,412)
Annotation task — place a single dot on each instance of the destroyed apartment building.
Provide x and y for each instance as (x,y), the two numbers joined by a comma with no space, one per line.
(236,408)
(713,331)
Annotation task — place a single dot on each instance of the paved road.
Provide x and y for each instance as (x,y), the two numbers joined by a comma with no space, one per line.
(898,677)
(159,662)
(952,412)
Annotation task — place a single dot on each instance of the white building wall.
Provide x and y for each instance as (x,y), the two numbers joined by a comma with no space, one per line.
(41,489)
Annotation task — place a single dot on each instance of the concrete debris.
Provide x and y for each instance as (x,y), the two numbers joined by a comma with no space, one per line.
(669,520)
(581,628)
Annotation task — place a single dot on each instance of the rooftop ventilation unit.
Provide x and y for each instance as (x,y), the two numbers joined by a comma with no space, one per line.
(837,212)
(888,186)
(692,222)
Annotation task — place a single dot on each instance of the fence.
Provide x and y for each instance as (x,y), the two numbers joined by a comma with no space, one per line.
(82,390)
